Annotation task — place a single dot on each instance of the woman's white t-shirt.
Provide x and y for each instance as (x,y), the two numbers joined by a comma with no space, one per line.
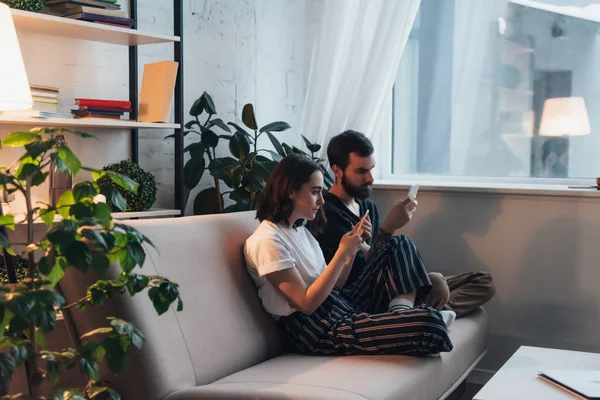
(274,247)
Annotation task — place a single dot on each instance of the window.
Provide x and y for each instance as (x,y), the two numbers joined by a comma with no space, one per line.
(500,88)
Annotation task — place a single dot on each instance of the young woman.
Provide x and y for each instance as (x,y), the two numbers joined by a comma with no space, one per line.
(308,297)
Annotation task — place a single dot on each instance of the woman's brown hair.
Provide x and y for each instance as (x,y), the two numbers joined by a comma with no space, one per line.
(274,203)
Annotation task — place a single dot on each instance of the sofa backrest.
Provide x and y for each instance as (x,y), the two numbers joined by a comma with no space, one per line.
(222,328)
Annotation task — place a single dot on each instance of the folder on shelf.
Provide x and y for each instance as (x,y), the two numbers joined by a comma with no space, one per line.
(158,85)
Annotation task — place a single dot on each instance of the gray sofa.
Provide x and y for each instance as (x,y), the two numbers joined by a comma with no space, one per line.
(224,346)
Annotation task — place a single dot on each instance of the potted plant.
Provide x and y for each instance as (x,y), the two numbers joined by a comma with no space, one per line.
(82,235)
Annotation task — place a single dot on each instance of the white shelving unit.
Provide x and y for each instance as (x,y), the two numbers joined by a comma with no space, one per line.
(70,28)
(73,29)
(83,123)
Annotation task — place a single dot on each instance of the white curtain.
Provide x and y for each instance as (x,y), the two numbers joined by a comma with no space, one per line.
(473,24)
(356,51)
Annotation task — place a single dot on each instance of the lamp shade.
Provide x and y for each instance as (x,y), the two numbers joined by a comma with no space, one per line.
(14,86)
(565,116)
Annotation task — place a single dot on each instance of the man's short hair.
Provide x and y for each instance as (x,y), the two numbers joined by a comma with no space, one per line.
(340,147)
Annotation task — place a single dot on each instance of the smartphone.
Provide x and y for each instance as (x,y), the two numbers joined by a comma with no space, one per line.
(414,189)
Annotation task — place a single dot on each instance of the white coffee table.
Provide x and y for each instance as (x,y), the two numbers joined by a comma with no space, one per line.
(518,378)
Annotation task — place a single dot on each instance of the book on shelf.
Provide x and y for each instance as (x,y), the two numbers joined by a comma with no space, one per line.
(102,103)
(65,9)
(32,113)
(156,96)
(43,88)
(93,17)
(97,108)
(46,100)
(44,94)
(92,3)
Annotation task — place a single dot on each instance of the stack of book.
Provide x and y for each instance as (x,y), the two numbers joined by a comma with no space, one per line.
(45,103)
(99,11)
(95,108)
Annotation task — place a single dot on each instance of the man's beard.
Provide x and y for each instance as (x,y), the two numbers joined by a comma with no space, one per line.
(357,192)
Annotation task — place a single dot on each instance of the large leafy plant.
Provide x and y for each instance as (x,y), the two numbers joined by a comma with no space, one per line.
(247,168)
(82,235)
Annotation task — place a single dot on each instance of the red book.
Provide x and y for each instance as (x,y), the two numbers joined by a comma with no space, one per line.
(103,103)
(102,108)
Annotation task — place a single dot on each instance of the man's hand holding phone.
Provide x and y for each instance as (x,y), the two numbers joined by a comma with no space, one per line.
(401,212)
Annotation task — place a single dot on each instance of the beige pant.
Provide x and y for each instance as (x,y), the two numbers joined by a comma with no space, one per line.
(462,293)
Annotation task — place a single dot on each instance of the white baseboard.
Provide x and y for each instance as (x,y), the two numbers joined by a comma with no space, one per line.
(480,376)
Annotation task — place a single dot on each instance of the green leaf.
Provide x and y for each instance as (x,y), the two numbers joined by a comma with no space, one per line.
(47,216)
(39,178)
(209,138)
(227,169)
(252,182)
(26,170)
(277,126)
(135,283)
(239,129)
(127,261)
(64,233)
(95,391)
(100,262)
(78,255)
(209,105)
(82,210)
(240,194)
(124,181)
(277,145)
(179,305)
(8,221)
(85,190)
(116,357)
(102,213)
(207,202)
(67,394)
(94,236)
(7,367)
(263,169)
(218,122)
(192,173)
(17,139)
(5,178)
(313,147)
(196,151)
(248,117)
(81,134)
(137,252)
(5,244)
(114,196)
(57,272)
(89,368)
(64,202)
(70,159)
(197,108)
(239,146)
(38,147)
(190,124)
(288,150)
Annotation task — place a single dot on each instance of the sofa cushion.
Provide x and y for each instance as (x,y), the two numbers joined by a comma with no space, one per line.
(222,328)
(354,377)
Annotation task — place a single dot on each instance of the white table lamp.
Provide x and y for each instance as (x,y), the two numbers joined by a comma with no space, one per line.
(565,116)
(14,86)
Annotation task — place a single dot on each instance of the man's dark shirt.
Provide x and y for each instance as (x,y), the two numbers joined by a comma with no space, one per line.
(340,220)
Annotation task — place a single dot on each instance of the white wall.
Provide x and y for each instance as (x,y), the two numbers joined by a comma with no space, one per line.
(542,251)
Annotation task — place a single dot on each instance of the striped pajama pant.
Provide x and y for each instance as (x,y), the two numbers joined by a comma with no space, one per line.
(355,320)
